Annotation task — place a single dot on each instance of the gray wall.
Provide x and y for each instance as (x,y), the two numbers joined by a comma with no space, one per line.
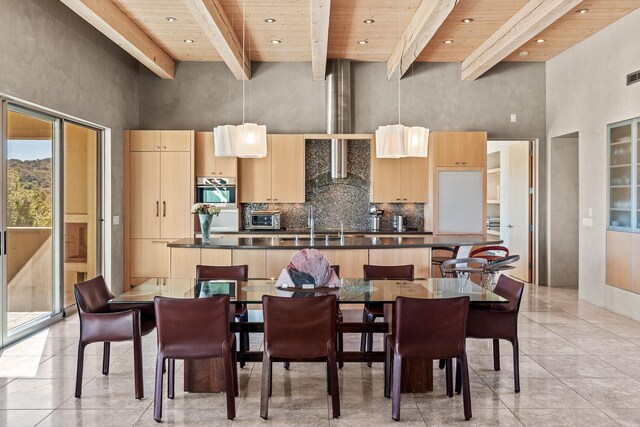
(586,90)
(51,57)
(563,212)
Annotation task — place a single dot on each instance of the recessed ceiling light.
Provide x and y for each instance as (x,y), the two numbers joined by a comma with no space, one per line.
(276,41)
(467,20)
(448,41)
(363,41)
(540,40)
(582,11)
(171,19)
(270,20)
(188,41)
(523,54)
(369,21)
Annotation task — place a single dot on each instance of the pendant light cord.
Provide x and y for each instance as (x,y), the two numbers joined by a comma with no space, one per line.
(400,67)
(244,25)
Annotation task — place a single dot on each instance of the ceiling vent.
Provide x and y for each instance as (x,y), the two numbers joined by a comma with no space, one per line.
(633,78)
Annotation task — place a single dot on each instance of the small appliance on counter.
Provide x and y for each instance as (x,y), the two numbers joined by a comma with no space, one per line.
(264,220)
(375,215)
(400,223)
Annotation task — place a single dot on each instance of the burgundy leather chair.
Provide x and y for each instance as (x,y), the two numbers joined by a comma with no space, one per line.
(488,252)
(234,272)
(195,328)
(438,260)
(500,321)
(304,330)
(100,322)
(373,311)
(443,339)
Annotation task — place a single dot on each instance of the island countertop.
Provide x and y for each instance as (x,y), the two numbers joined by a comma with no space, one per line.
(320,242)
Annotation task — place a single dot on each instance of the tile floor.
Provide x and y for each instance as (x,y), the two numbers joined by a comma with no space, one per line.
(580,365)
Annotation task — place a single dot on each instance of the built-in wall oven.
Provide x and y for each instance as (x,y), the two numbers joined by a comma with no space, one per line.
(221,192)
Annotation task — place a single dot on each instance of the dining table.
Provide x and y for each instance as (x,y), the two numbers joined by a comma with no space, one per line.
(208,375)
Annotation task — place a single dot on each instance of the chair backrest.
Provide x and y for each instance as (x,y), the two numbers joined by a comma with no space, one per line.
(484,251)
(510,289)
(392,272)
(453,249)
(431,328)
(92,296)
(299,327)
(336,268)
(192,327)
(451,266)
(235,272)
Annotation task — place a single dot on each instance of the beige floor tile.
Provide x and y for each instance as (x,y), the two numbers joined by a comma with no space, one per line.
(65,367)
(628,364)
(564,417)
(549,347)
(565,367)
(36,393)
(249,415)
(608,393)
(110,393)
(625,330)
(91,417)
(378,417)
(538,393)
(543,317)
(206,416)
(566,330)
(483,365)
(480,417)
(606,346)
(22,418)
(624,417)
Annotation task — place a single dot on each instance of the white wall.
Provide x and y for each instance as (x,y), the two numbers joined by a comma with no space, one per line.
(586,90)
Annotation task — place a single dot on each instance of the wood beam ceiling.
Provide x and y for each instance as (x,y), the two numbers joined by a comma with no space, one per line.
(107,18)
(215,24)
(426,21)
(320,12)
(529,21)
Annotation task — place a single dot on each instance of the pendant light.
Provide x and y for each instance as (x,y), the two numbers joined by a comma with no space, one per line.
(248,140)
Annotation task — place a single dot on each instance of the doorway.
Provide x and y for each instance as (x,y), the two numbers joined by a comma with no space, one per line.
(511,201)
(564,212)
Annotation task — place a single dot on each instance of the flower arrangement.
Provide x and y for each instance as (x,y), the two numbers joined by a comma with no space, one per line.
(205,209)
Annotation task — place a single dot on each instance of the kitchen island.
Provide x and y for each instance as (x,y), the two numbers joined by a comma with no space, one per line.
(267,256)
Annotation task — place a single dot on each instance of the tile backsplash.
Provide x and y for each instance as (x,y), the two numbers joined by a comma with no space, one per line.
(344,200)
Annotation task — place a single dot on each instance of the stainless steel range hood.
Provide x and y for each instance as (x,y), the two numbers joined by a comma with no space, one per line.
(339,113)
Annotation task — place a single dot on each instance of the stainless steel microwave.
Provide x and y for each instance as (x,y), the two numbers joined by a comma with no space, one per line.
(221,192)
(264,220)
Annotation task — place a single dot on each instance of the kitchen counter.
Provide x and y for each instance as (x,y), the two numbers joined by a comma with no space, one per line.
(302,231)
(350,242)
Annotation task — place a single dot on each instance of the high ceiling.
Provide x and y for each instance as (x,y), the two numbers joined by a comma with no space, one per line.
(293,27)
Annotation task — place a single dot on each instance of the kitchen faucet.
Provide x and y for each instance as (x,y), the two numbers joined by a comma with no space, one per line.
(312,225)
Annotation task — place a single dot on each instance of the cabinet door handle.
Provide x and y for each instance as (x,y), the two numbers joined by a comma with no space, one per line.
(164,147)
(268,199)
(158,147)
(275,200)
(464,163)
(164,208)
(398,199)
(159,241)
(157,208)
(404,199)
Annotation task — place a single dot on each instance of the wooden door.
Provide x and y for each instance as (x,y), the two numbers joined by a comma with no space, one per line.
(149,258)
(287,169)
(205,160)
(144,188)
(176,140)
(176,183)
(415,179)
(144,140)
(386,179)
(255,178)
(446,148)
(518,232)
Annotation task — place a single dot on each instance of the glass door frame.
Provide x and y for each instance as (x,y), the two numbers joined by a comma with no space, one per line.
(634,156)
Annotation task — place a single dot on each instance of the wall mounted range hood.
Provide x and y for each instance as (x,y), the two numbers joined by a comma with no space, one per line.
(339,113)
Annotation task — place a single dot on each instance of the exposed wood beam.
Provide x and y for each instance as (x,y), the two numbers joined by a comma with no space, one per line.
(320,11)
(424,24)
(529,21)
(107,18)
(215,24)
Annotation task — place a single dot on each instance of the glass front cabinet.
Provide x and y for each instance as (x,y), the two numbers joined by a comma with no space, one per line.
(623,198)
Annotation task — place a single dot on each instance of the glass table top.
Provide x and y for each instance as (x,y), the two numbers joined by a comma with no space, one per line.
(353,291)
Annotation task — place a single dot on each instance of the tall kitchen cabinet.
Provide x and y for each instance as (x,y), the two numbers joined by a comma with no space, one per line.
(277,178)
(458,182)
(399,180)
(623,229)
(159,193)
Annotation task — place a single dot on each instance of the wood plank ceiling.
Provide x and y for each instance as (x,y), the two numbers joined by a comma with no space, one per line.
(292,27)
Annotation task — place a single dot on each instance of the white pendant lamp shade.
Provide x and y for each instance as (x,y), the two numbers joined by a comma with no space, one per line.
(225,141)
(396,141)
(251,140)
(417,142)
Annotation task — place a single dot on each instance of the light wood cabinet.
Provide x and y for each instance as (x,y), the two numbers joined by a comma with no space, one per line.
(351,261)
(176,190)
(460,148)
(277,178)
(184,262)
(148,258)
(144,203)
(215,257)
(160,140)
(277,260)
(254,258)
(399,180)
(207,163)
(419,257)
(620,257)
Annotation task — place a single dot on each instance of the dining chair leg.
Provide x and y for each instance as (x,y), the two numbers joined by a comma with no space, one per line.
(458,378)
(363,336)
(270,377)
(171,377)
(449,376)
(397,384)
(228,374)
(79,369)
(387,368)
(370,319)
(340,344)
(157,396)
(328,378)
(496,355)
(265,392)
(106,353)
(236,388)
(466,390)
(335,387)
(244,336)
(442,363)
(137,359)
(516,365)
(286,365)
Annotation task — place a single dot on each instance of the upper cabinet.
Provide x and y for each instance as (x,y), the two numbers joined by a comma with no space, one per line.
(399,180)
(460,149)
(277,178)
(623,202)
(161,140)
(208,164)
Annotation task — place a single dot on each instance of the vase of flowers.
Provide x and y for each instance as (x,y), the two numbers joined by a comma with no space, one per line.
(205,212)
